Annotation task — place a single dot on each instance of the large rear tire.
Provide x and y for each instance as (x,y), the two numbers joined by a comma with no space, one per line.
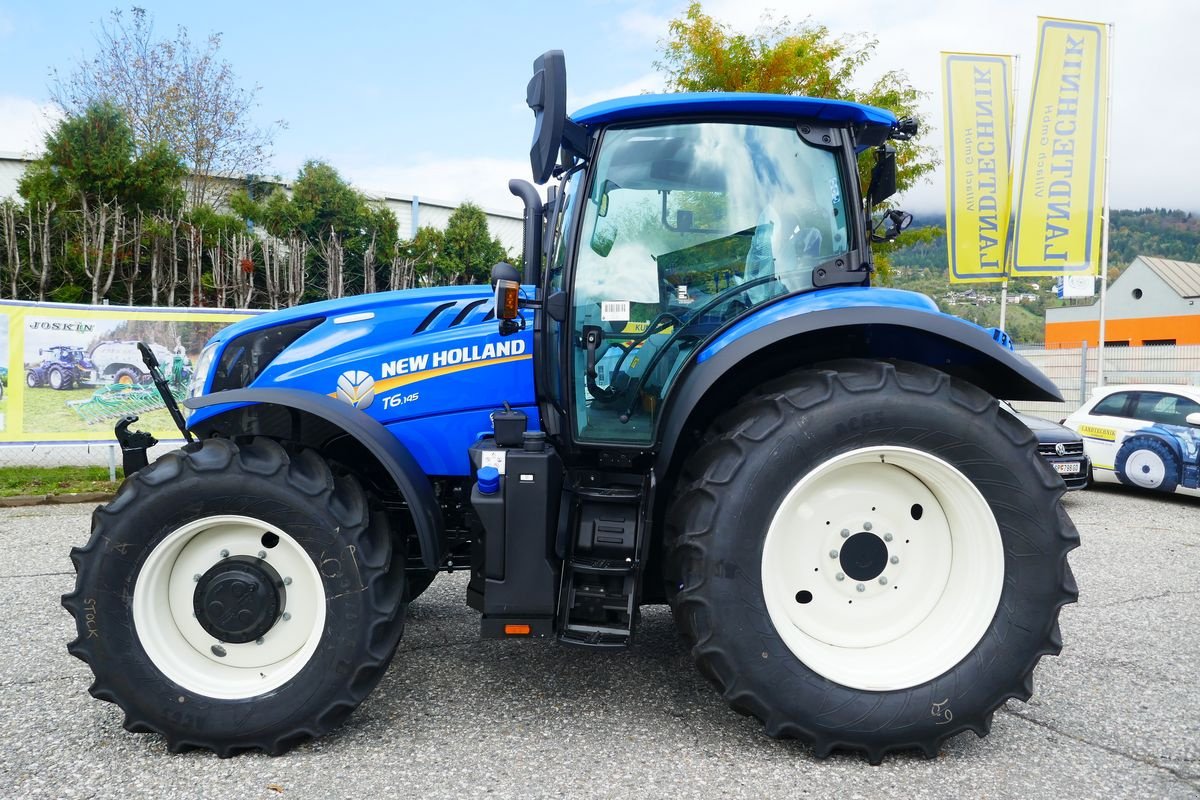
(869,556)
(237,597)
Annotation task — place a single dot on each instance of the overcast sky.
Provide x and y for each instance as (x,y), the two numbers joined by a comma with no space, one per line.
(428,98)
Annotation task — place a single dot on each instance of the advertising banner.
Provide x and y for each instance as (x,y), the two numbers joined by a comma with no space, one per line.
(1060,193)
(72,371)
(978,124)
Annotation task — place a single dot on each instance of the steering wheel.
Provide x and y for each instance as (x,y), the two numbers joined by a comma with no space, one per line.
(715,300)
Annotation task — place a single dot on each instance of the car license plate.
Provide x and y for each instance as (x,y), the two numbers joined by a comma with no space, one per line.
(1065,468)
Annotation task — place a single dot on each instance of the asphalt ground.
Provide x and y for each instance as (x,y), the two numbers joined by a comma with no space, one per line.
(1117,715)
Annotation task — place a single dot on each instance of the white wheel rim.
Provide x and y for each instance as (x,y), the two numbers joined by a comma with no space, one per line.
(1145,468)
(939,586)
(182,650)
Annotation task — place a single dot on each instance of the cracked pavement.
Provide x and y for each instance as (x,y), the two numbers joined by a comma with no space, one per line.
(1116,716)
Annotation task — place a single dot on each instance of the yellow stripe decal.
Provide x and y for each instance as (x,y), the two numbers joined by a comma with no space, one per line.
(403,380)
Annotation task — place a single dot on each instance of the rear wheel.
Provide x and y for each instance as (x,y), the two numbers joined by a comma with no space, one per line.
(58,379)
(870,556)
(237,597)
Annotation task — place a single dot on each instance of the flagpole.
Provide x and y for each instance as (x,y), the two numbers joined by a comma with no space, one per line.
(1012,162)
(1104,231)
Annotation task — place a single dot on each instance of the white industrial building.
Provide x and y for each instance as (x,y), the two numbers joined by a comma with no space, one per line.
(411,211)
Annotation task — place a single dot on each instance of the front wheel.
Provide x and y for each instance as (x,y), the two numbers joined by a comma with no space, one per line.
(870,556)
(237,597)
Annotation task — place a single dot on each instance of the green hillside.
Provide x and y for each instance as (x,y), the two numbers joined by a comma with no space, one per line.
(919,263)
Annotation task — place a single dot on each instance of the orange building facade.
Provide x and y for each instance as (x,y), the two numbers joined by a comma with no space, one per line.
(1133,332)
(1155,301)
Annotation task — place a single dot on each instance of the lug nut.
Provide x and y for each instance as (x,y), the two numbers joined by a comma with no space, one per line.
(833,554)
(196,578)
(861,588)
(887,537)
(224,554)
(840,576)
(883,580)
(259,640)
(866,526)
(845,533)
(895,559)
(218,651)
(262,554)
(286,616)
(287,581)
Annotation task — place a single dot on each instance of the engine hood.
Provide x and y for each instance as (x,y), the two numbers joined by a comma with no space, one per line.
(397,307)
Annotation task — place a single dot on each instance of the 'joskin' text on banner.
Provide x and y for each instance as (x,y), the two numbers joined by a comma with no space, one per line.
(1060,194)
(978,109)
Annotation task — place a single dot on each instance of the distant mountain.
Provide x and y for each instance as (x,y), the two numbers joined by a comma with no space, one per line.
(920,264)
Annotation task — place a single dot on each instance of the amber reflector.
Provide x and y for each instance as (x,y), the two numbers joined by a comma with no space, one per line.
(517,630)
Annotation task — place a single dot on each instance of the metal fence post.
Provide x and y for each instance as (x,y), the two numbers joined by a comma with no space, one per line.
(112,463)
(1083,392)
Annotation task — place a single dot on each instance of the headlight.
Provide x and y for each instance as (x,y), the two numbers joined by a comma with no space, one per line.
(200,370)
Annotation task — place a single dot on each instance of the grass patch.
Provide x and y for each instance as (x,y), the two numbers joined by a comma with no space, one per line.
(16,481)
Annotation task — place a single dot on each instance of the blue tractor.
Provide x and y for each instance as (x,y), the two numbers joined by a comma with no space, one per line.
(692,395)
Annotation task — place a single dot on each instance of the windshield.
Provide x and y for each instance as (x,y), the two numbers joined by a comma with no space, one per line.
(687,226)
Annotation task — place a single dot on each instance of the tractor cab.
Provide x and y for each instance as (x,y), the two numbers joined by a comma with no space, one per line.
(674,216)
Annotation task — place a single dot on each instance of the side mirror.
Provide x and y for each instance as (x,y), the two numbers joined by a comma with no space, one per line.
(604,236)
(546,94)
(1193,419)
(883,176)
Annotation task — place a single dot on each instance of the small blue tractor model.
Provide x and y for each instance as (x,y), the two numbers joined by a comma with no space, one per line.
(692,395)
(61,367)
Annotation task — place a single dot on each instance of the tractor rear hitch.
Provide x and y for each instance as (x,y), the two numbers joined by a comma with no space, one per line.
(134,444)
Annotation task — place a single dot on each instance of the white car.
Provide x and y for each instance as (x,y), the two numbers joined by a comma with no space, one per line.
(1144,435)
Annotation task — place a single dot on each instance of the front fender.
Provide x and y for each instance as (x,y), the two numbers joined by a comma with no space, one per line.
(391,453)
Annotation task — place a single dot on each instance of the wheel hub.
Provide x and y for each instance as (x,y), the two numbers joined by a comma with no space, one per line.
(863,556)
(239,599)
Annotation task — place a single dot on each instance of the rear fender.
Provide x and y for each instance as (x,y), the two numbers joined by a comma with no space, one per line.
(754,350)
(315,419)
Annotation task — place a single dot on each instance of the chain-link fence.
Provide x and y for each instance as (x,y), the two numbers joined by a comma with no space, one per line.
(1075,371)
(87,454)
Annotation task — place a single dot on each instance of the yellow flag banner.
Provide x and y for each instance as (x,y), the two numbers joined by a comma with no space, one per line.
(1060,195)
(72,371)
(978,124)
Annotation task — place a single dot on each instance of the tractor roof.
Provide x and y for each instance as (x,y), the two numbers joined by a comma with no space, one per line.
(716,104)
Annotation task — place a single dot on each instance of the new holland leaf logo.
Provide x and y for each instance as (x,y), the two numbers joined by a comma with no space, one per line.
(356,388)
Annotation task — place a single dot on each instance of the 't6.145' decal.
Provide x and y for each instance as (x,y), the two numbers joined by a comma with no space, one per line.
(396,400)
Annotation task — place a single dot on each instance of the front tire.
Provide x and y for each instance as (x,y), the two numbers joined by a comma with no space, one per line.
(870,556)
(237,597)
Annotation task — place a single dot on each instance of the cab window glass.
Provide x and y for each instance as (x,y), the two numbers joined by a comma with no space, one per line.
(686,227)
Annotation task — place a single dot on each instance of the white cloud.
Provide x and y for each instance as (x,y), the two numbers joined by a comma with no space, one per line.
(642,25)
(24,124)
(483,181)
(649,82)
(1153,113)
